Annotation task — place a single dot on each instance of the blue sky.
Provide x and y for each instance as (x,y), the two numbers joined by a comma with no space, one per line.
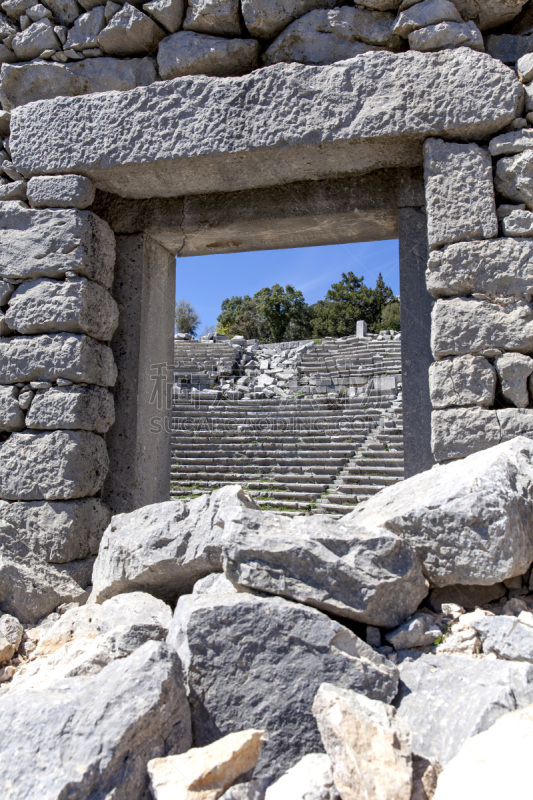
(205,281)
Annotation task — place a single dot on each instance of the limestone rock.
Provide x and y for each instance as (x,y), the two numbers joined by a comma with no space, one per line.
(459,192)
(518,223)
(462,381)
(61,355)
(6,290)
(489,14)
(11,415)
(213,16)
(469,521)
(508,48)
(460,432)
(469,597)
(60,191)
(54,531)
(88,408)
(165,548)
(15,190)
(465,325)
(34,40)
(84,32)
(424,14)
(419,631)
(510,638)
(168,13)
(87,638)
(189,53)
(501,267)
(30,589)
(446,699)
(10,636)
(61,465)
(41,80)
(251,790)
(130,33)
(446,35)
(80,733)
(311,778)
(37,244)
(206,771)
(65,11)
(74,306)
(323,37)
(264,19)
(369,576)
(511,143)
(485,763)
(370,733)
(514,370)
(514,178)
(401,100)
(243,651)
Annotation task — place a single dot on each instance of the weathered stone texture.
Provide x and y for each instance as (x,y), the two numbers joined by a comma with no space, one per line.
(11,415)
(466,325)
(221,18)
(10,636)
(37,244)
(311,778)
(514,178)
(463,381)
(384,106)
(168,13)
(502,267)
(34,40)
(130,33)
(456,433)
(460,198)
(85,734)
(88,408)
(489,14)
(73,306)
(425,13)
(514,370)
(264,19)
(25,83)
(61,355)
(189,53)
(62,465)
(240,650)
(484,500)
(60,191)
(446,35)
(57,532)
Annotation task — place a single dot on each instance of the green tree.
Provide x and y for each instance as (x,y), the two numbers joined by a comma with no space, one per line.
(285,312)
(241,316)
(390,317)
(348,301)
(186,318)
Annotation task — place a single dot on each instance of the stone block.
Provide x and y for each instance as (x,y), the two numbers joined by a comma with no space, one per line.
(65,11)
(508,48)
(6,290)
(38,37)
(462,325)
(75,306)
(220,18)
(36,244)
(189,53)
(168,13)
(456,433)
(501,267)
(61,355)
(511,143)
(11,415)
(489,13)
(84,33)
(323,37)
(401,100)
(87,408)
(518,223)
(62,465)
(56,532)
(10,636)
(446,35)
(14,190)
(514,370)
(264,19)
(424,14)
(60,191)
(130,33)
(514,178)
(460,199)
(42,80)
(463,381)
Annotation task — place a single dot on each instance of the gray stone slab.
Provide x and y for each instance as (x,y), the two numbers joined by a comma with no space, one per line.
(36,244)
(87,408)
(264,19)
(25,83)
(510,638)
(60,191)
(501,267)
(190,53)
(459,432)
(373,111)
(130,33)
(11,415)
(220,19)
(463,381)
(460,200)
(61,465)
(74,306)
(61,355)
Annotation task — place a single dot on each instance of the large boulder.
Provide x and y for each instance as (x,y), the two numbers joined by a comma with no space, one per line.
(373,577)
(93,736)
(489,14)
(470,521)
(368,742)
(87,408)
(165,548)
(264,19)
(252,661)
(190,53)
(445,699)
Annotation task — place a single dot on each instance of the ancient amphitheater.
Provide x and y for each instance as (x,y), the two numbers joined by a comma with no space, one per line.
(215,646)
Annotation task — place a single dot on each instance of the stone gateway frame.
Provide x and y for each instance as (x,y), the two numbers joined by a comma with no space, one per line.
(378,146)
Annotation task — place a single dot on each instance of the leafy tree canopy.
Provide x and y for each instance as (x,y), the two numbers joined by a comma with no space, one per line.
(390,317)
(186,318)
(348,301)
